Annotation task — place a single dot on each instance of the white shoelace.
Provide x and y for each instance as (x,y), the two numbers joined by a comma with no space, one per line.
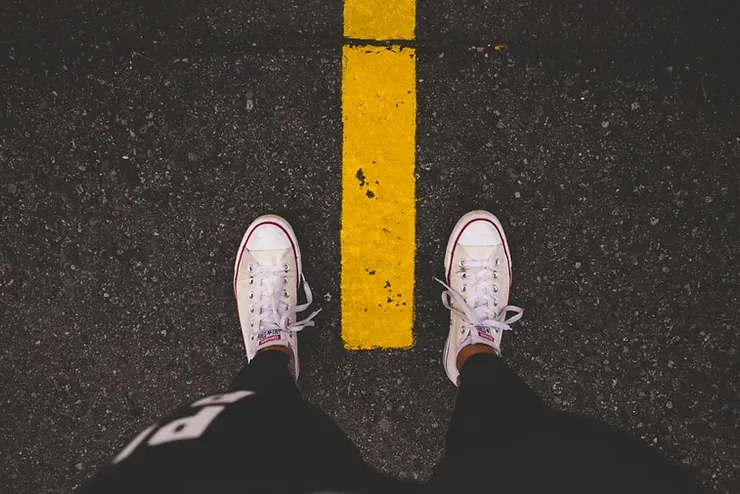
(480,308)
(271,311)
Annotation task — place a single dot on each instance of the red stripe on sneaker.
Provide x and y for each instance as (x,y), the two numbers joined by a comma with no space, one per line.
(503,242)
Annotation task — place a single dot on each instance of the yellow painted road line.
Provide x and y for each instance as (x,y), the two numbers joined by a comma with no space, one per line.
(378,238)
(379,19)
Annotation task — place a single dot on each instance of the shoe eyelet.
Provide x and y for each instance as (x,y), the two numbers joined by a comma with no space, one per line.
(464,275)
(495,302)
(495,275)
(495,288)
(251,323)
(462,263)
(251,295)
(251,310)
(497,262)
(286,294)
(286,267)
(250,268)
(464,288)
(251,281)
(462,330)
(285,281)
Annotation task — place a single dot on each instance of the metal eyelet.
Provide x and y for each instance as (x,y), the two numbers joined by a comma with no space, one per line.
(497,262)
(495,302)
(286,294)
(251,295)
(251,281)
(286,267)
(462,263)
(464,275)
(250,268)
(495,288)
(285,281)
(251,323)
(251,310)
(464,288)
(495,275)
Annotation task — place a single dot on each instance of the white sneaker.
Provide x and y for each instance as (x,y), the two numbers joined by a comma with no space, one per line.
(267,276)
(478,270)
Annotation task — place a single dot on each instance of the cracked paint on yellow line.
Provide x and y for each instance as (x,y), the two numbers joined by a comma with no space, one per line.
(378,204)
(379,19)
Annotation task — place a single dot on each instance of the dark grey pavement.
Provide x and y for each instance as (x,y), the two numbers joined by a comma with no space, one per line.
(137,143)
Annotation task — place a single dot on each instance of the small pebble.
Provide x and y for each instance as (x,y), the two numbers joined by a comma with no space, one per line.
(384,425)
(635,105)
(578,265)
(669,405)
(79,466)
(605,124)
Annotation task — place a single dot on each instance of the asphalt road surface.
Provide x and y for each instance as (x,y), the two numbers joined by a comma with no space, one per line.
(138,142)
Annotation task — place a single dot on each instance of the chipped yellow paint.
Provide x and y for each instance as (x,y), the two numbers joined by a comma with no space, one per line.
(378,196)
(379,19)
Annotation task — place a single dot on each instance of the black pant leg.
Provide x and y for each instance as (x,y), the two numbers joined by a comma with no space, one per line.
(503,438)
(493,407)
(260,437)
(268,374)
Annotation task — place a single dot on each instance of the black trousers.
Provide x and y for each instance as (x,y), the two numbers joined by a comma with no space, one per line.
(264,437)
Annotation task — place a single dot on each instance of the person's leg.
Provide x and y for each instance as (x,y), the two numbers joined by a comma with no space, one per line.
(502,437)
(493,407)
(260,437)
(269,374)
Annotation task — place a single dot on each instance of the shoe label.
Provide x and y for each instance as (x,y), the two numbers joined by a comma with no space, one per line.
(268,335)
(485,333)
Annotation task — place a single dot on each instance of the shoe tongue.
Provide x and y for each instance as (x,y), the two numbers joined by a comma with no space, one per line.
(270,337)
(483,335)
